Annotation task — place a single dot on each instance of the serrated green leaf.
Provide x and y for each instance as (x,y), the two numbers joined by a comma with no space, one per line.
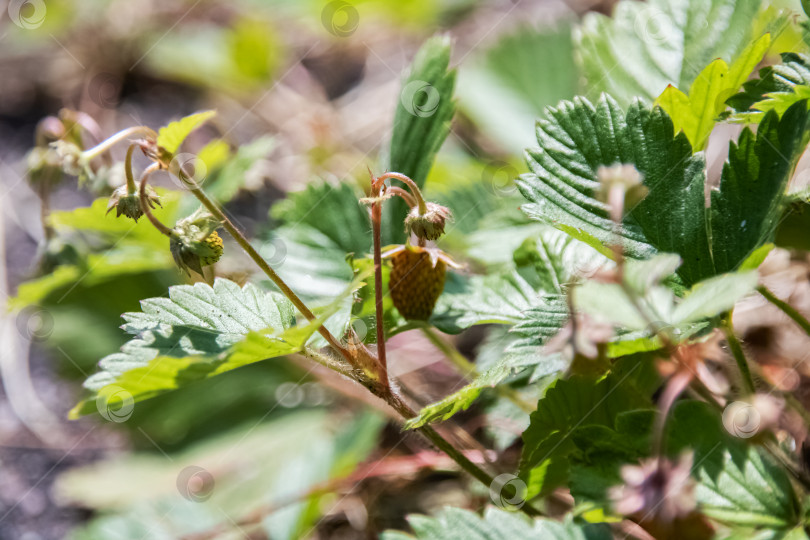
(198,332)
(577,138)
(567,405)
(421,123)
(646,46)
(173,135)
(737,482)
(459,524)
(696,114)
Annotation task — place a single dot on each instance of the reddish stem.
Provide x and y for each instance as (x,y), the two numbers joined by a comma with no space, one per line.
(376,223)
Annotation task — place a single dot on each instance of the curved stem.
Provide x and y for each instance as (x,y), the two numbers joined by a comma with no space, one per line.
(131,187)
(243,242)
(395,190)
(108,143)
(417,193)
(145,202)
(788,310)
(739,356)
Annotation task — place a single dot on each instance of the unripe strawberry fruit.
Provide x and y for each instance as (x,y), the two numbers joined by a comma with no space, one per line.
(416,282)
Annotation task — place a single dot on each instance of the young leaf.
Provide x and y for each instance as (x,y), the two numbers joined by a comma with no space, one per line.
(421,123)
(695,114)
(496,524)
(172,136)
(781,78)
(646,46)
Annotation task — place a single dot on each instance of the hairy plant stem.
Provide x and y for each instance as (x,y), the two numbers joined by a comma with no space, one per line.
(131,187)
(376,224)
(786,308)
(145,202)
(417,193)
(108,143)
(243,242)
(468,369)
(739,355)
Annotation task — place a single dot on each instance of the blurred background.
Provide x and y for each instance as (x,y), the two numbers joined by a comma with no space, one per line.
(305,91)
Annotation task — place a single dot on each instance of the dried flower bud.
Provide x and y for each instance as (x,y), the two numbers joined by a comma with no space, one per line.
(129,204)
(195,243)
(430,225)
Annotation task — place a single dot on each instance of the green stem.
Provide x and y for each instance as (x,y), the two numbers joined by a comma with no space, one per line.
(131,187)
(788,310)
(737,351)
(469,371)
(108,143)
(243,242)
(145,201)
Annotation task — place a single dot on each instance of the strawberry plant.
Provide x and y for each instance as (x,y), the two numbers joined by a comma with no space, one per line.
(617,393)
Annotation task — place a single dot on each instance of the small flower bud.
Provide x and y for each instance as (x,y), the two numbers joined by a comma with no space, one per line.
(430,225)
(195,243)
(129,204)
